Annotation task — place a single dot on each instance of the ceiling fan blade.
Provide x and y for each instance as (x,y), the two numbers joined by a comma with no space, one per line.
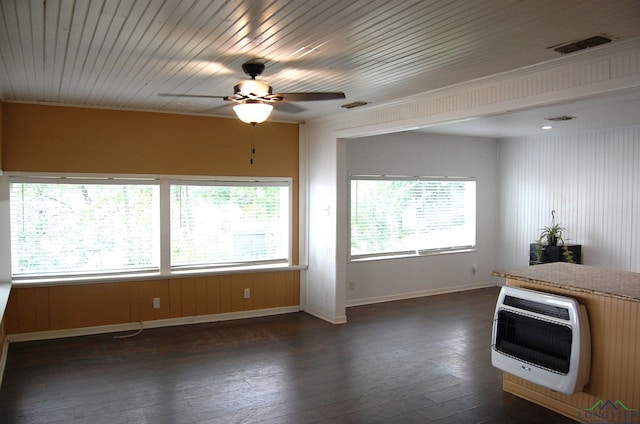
(310,96)
(223,109)
(205,96)
(288,107)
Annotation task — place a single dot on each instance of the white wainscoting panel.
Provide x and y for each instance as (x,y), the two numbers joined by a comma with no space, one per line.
(591,180)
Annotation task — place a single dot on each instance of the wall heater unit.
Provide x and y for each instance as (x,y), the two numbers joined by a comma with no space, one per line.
(543,338)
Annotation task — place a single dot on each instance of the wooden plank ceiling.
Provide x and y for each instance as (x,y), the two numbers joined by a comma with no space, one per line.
(122,53)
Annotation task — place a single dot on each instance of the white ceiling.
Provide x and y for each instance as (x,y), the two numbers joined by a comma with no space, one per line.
(614,110)
(122,53)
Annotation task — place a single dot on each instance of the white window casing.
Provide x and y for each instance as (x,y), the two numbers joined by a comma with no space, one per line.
(394,216)
(88,227)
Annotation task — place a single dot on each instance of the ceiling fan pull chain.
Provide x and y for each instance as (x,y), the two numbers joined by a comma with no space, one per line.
(253,149)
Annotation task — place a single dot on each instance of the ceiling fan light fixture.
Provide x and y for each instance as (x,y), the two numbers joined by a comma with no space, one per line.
(253,112)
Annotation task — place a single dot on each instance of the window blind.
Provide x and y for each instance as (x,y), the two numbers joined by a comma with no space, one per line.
(410,215)
(222,224)
(83,226)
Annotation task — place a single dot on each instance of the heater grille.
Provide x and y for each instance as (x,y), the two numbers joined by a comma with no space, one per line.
(537,307)
(537,342)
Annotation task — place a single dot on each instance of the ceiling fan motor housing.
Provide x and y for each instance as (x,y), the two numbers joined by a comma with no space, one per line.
(252,88)
(253,69)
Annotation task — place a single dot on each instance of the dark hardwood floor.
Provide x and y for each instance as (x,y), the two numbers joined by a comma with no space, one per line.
(423,360)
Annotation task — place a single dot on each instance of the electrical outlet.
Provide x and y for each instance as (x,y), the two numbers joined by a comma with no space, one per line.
(247,293)
(156,303)
(352,285)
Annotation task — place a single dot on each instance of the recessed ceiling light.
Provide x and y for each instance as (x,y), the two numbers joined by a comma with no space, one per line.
(547,127)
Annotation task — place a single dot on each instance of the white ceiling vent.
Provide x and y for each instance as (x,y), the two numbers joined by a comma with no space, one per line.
(354,104)
(574,46)
(561,118)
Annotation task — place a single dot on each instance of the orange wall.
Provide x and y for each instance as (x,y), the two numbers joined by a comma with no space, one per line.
(69,139)
(63,307)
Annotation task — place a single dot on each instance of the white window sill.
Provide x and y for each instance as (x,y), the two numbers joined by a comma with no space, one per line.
(121,278)
(413,255)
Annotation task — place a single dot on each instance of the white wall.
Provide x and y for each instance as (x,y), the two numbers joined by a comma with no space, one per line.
(324,284)
(5,246)
(592,181)
(427,155)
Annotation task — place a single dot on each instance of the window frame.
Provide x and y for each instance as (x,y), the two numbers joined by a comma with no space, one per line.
(164,181)
(75,180)
(262,182)
(409,252)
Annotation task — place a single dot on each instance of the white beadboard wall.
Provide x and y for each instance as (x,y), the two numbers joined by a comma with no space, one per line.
(591,180)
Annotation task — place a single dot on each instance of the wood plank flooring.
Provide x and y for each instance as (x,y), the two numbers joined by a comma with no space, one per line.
(424,360)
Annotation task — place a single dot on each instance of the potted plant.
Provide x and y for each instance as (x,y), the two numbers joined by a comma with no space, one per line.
(551,236)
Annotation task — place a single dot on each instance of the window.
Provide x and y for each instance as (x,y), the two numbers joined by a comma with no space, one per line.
(85,227)
(82,226)
(411,216)
(223,224)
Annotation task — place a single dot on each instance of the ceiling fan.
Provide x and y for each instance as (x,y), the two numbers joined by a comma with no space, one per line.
(254,99)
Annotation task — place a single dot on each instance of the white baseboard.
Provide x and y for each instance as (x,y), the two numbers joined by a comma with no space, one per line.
(319,314)
(133,326)
(421,293)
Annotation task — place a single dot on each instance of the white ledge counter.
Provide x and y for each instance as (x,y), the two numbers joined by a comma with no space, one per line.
(582,278)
